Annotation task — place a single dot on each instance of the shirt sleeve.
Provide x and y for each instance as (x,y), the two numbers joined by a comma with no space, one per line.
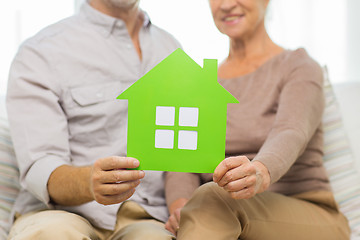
(299,114)
(37,122)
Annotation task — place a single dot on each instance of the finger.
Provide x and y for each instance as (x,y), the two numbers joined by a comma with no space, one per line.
(245,193)
(231,175)
(119,176)
(115,162)
(242,171)
(174,223)
(168,227)
(114,199)
(226,165)
(115,188)
(177,215)
(240,184)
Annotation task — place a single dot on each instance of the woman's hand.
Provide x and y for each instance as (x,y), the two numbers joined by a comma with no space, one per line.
(172,224)
(242,178)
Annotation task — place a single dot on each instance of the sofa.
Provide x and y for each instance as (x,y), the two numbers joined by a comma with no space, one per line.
(341,123)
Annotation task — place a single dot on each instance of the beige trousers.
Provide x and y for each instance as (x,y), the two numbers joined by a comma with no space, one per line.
(133,223)
(213,214)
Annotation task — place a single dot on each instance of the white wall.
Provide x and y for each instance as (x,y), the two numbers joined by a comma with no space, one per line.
(353,41)
(328,29)
(191,23)
(319,26)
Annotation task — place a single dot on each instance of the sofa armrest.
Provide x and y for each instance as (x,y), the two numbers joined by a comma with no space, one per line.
(348,97)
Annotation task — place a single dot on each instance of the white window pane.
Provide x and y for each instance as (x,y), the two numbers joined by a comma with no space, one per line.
(164,139)
(187,140)
(165,116)
(188,116)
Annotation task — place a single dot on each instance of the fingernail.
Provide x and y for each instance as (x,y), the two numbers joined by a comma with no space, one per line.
(136,163)
(215,179)
(142,174)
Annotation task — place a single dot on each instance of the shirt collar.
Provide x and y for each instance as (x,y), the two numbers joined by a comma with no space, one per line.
(105,23)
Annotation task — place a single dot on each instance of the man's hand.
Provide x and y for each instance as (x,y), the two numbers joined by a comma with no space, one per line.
(107,182)
(242,178)
(172,224)
(111,182)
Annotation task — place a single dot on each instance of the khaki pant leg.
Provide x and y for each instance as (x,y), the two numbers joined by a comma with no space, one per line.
(51,224)
(134,223)
(143,230)
(213,214)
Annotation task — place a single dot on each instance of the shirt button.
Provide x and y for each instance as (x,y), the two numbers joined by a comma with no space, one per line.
(128,46)
(99,95)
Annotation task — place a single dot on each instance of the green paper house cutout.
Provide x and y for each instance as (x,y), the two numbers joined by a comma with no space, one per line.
(177,116)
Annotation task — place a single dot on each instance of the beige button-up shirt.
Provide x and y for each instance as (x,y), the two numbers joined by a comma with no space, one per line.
(62,105)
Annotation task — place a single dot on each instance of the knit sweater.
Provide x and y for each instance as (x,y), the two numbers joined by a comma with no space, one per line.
(277,122)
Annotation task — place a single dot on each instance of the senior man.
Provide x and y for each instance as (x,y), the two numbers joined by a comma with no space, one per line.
(69,131)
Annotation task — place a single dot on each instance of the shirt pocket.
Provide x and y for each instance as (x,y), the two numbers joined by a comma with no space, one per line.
(95,113)
(96,93)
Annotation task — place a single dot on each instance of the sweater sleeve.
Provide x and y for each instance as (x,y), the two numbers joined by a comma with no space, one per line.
(180,185)
(298,116)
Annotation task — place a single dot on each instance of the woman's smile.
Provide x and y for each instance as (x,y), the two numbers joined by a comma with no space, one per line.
(232,19)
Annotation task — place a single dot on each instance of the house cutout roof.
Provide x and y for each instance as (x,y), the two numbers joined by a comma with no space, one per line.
(181,75)
(177,116)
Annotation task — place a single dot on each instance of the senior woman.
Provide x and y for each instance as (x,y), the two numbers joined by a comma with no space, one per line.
(272,185)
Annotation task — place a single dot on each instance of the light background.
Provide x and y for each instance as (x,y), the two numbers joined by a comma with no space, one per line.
(328,29)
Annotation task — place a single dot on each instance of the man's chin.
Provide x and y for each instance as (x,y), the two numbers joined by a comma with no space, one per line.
(124,4)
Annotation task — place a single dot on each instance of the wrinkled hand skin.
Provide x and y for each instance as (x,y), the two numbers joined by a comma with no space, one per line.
(111,182)
(241,177)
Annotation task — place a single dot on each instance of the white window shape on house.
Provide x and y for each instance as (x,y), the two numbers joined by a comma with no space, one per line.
(165,116)
(188,117)
(187,140)
(164,139)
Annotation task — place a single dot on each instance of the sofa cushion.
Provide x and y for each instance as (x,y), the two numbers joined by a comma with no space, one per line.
(9,174)
(339,162)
